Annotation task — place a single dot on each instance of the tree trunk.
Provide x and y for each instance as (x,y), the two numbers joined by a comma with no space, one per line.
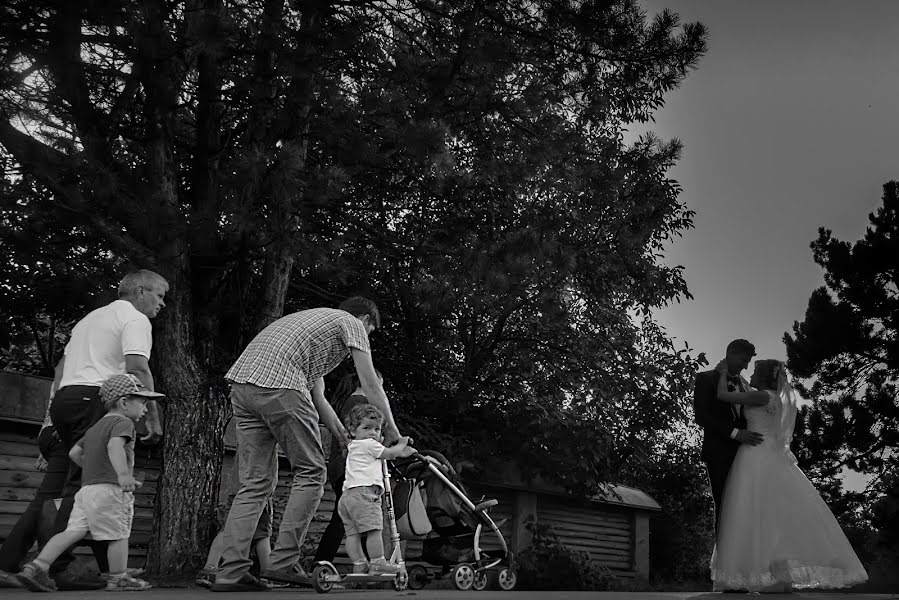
(196,413)
(275,276)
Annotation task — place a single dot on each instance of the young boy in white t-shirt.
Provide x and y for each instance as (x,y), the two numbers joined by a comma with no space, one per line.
(104,506)
(360,504)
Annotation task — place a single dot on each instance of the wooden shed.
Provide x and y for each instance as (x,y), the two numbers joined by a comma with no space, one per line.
(612,527)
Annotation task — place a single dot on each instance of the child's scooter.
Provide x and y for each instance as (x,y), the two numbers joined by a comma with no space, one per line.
(325,574)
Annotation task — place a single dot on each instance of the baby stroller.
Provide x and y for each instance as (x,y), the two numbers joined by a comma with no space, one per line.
(431,504)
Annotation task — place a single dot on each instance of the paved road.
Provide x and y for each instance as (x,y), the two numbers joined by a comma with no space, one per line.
(434,594)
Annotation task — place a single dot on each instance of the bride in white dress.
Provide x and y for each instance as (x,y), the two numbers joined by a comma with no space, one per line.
(776,533)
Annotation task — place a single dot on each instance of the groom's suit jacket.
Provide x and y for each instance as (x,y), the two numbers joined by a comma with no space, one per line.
(717,419)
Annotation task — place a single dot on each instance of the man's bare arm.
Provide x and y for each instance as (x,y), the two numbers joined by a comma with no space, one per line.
(374,393)
(326,412)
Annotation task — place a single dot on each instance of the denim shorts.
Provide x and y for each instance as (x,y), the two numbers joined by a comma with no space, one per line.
(360,509)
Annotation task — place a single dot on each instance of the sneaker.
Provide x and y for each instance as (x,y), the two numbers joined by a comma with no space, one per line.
(9,580)
(380,566)
(127,583)
(206,578)
(292,575)
(36,579)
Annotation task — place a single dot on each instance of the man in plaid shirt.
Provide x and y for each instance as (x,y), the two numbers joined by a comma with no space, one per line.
(277,393)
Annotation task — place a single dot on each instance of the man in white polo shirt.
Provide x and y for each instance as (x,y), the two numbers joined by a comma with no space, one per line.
(111,340)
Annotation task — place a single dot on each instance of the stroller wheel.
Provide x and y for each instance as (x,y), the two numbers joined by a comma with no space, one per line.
(418,577)
(319,581)
(463,577)
(506,579)
(480,580)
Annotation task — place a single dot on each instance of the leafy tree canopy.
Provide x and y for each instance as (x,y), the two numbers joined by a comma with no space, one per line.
(460,162)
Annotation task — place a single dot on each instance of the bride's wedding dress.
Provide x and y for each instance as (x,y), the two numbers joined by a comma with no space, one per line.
(775,529)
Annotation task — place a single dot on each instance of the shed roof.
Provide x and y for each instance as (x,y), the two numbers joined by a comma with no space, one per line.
(626,496)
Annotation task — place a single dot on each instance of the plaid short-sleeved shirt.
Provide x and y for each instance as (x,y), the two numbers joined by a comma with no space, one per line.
(294,351)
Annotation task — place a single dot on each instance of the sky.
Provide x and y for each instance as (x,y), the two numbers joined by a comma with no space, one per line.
(790,123)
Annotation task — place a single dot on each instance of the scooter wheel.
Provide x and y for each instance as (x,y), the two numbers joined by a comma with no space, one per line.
(463,577)
(401,581)
(418,577)
(480,581)
(319,581)
(506,579)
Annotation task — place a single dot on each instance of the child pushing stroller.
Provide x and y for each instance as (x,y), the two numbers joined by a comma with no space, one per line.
(367,480)
(448,508)
(360,504)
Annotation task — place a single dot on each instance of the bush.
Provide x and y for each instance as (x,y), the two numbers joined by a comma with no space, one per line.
(547,564)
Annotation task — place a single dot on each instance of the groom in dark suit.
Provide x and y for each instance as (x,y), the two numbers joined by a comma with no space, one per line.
(723,424)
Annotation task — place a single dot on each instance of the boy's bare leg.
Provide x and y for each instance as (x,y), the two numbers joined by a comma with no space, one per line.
(117,554)
(58,544)
(354,551)
(264,553)
(374,544)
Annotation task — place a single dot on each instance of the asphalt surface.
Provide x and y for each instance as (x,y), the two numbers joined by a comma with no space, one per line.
(443,594)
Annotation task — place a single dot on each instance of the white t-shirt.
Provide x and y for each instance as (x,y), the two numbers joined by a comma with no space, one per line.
(100,342)
(363,466)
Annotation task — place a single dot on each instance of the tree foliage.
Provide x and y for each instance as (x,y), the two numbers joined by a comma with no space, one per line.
(50,279)
(460,162)
(847,350)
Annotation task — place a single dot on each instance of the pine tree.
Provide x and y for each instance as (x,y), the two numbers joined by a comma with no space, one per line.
(473,147)
(847,351)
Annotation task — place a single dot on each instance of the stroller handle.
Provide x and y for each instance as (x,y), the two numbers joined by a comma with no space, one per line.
(428,456)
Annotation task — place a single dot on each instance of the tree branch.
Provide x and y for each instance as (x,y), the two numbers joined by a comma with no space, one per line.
(55,170)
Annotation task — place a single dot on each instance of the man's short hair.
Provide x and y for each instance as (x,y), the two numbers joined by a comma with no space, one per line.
(741,346)
(134,280)
(359,307)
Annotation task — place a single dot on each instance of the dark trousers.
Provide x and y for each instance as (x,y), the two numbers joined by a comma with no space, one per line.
(75,409)
(333,535)
(718,470)
(29,527)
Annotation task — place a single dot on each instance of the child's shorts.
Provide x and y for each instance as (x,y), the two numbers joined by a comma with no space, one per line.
(104,510)
(360,509)
(264,526)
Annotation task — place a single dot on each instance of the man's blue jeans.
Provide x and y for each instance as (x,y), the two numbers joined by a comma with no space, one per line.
(266,418)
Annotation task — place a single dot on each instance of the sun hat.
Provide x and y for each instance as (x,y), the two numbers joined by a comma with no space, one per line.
(124,385)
